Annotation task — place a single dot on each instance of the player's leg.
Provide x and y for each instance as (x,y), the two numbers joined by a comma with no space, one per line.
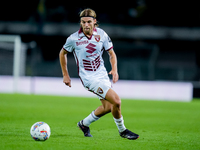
(111,104)
(94,116)
(114,99)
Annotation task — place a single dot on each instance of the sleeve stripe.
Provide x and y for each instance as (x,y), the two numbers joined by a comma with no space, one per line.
(65,50)
(109,48)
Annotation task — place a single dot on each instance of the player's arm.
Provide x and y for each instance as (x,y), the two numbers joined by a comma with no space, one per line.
(63,64)
(113,62)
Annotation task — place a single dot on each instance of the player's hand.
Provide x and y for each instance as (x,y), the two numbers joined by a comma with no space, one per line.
(67,80)
(114,75)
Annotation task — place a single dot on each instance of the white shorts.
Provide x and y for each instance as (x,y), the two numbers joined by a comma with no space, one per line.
(100,87)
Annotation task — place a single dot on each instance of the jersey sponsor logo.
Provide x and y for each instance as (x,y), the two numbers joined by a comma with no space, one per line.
(82,42)
(99,90)
(97,38)
(90,48)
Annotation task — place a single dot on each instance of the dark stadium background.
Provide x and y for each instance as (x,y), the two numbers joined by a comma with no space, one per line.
(166,46)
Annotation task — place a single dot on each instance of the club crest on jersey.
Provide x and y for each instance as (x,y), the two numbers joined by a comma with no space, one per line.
(99,90)
(97,38)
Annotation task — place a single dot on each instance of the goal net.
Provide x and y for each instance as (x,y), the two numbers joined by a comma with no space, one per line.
(12,58)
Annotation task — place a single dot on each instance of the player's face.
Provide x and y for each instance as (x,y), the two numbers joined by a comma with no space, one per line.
(87,24)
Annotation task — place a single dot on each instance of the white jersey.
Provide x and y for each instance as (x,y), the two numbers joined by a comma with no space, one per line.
(88,54)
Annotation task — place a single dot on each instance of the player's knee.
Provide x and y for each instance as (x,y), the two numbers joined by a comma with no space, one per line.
(117,102)
(113,98)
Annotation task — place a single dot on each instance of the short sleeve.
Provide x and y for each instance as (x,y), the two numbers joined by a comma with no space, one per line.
(68,46)
(107,42)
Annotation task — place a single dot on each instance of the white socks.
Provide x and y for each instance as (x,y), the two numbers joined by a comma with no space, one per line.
(120,124)
(92,117)
(89,119)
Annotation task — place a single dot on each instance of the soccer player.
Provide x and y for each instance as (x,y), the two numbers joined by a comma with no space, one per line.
(87,45)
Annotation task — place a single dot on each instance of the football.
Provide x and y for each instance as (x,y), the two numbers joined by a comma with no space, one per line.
(40,131)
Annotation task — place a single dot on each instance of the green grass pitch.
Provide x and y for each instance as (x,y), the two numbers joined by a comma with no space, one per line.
(161,125)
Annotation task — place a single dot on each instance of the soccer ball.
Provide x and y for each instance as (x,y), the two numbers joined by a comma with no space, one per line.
(40,131)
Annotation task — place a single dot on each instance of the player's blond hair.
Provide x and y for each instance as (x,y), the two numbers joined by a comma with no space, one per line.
(88,13)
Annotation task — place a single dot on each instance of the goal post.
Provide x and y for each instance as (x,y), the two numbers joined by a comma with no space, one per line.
(18,59)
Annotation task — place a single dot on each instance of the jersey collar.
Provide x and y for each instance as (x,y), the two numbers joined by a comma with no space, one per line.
(81,34)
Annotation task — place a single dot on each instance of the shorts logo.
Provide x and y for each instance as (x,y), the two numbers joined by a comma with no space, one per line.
(97,38)
(99,90)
